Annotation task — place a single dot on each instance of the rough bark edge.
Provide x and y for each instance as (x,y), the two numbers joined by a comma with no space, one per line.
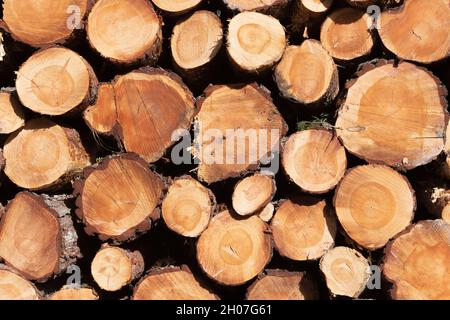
(134,232)
(371,65)
(39,294)
(278,9)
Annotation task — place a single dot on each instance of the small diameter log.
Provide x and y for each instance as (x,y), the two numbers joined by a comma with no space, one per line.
(12,115)
(188,207)
(315,160)
(44,155)
(417,262)
(172,283)
(304,11)
(56,81)
(37,236)
(232,251)
(253,193)
(256,42)
(282,285)
(114,268)
(143,109)
(195,43)
(239,127)
(15,287)
(125,31)
(346,271)
(374,203)
(42,23)
(276,8)
(384,92)
(303,228)
(118,197)
(176,7)
(70,293)
(307,74)
(267,213)
(346,36)
(418,30)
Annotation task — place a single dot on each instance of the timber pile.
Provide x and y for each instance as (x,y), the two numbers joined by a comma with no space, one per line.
(244,149)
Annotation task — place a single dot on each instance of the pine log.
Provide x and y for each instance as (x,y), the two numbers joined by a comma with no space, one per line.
(374,203)
(417,262)
(253,193)
(418,30)
(44,155)
(315,160)
(236,116)
(37,236)
(46,22)
(12,115)
(307,74)
(256,42)
(384,98)
(118,197)
(56,81)
(346,271)
(143,109)
(15,287)
(171,283)
(303,228)
(276,8)
(232,251)
(346,36)
(114,268)
(74,293)
(188,207)
(305,11)
(125,31)
(267,213)
(176,7)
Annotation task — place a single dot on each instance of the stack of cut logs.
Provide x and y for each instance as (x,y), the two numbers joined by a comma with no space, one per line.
(118,179)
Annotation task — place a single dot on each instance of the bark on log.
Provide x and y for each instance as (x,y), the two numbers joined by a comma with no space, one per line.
(253,193)
(346,271)
(14,287)
(315,160)
(277,8)
(417,261)
(12,115)
(177,7)
(282,285)
(44,155)
(172,283)
(114,268)
(188,207)
(303,228)
(37,236)
(125,31)
(232,251)
(374,203)
(119,197)
(304,11)
(70,293)
(384,91)
(307,74)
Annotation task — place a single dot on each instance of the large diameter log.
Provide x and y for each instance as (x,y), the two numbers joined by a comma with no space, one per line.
(56,81)
(125,31)
(256,42)
(417,262)
(384,98)
(188,207)
(303,228)
(315,160)
(68,293)
(374,203)
(15,287)
(143,109)
(44,155)
(12,115)
(42,23)
(238,128)
(346,271)
(37,236)
(118,198)
(232,251)
(114,268)
(282,285)
(172,283)
(276,8)
(418,30)
(253,193)
(176,7)
(307,74)
(346,36)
